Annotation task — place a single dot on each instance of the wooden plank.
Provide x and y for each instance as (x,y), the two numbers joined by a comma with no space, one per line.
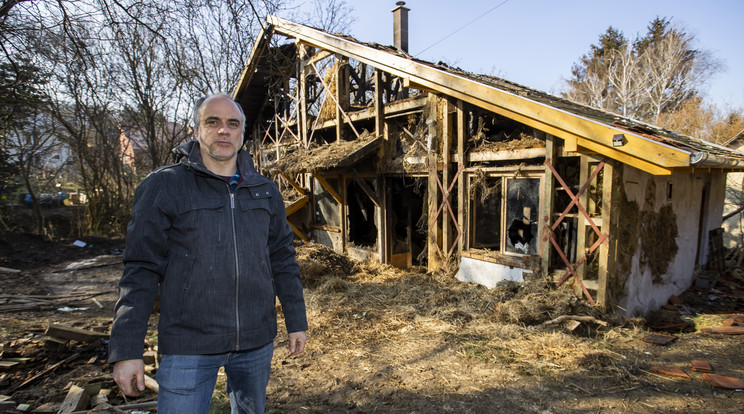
(76,399)
(570,144)
(546,214)
(391,110)
(297,205)
(383,156)
(432,192)
(385,232)
(75,334)
(322,54)
(582,223)
(5,364)
(507,154)
(446,134)
(44,372)
(151,384)
(336,196)
(294,185)
(344,211)
(363,185)
(302,95)
(332,229)
(545,117)
(342,95)
(609,226)
(461,126)
(8,270)
(149,405)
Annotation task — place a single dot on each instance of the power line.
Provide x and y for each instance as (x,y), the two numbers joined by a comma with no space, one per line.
(462,27)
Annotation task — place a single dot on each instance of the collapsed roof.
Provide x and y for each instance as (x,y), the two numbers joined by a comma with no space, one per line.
(652,149)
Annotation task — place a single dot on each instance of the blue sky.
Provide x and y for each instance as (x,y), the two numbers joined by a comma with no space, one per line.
(535,42)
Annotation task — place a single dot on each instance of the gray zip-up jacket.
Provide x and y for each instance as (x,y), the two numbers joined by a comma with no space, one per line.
(218,258)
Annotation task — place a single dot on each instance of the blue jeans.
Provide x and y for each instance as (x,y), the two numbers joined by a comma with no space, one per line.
(187,381)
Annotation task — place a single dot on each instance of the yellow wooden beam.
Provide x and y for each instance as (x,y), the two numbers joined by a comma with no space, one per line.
(625,158)
(569,144)
(365,187)
(293,183)
(297,205)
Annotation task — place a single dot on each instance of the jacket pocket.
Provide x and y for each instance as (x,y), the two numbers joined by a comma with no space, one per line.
(201,219)
(256,214)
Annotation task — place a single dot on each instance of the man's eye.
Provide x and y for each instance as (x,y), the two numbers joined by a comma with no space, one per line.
(210,122)
(234,124)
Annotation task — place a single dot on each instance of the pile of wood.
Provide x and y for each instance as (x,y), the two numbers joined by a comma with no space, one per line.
(82,396)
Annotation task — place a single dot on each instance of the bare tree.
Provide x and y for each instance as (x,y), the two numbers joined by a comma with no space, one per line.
(333,16)
(643,78)
(675,71)
(134,67)
(627,80)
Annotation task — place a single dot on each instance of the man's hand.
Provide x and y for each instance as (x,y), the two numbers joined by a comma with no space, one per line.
(130,376)
(297,342)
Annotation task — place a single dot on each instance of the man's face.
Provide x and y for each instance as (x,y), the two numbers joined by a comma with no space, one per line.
(220,132)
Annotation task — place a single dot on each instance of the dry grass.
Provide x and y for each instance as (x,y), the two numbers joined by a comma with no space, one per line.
(702,321)
(298,159)
(370,303)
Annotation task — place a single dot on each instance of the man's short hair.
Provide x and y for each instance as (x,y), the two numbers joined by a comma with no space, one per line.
(200,101)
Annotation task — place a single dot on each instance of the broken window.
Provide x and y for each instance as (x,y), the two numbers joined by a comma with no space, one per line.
(504,213)
(522,203)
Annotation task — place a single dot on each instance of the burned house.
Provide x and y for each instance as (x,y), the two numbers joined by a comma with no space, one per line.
(383,156)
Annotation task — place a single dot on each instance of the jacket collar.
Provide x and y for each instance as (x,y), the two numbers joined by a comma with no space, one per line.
(189,154)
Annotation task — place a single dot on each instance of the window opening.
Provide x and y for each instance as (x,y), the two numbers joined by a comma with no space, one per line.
(522,203)
(504,214)
(361,213)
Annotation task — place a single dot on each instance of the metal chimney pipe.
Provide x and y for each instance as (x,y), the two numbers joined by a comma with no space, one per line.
(400,26)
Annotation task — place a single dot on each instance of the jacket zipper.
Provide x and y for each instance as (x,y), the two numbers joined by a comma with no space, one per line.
(237,269)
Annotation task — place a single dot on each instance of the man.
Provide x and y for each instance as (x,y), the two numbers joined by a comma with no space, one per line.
(210,235)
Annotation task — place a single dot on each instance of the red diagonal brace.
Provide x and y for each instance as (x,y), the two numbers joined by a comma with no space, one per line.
(549,229)
(445,201)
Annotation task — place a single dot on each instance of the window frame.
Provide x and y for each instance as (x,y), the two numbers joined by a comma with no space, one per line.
(506,176)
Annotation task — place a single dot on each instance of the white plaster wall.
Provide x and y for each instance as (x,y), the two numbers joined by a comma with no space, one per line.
(733,235)
(642,294)
(488,274)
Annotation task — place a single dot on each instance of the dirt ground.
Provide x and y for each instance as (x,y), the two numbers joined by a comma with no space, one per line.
(389,341)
